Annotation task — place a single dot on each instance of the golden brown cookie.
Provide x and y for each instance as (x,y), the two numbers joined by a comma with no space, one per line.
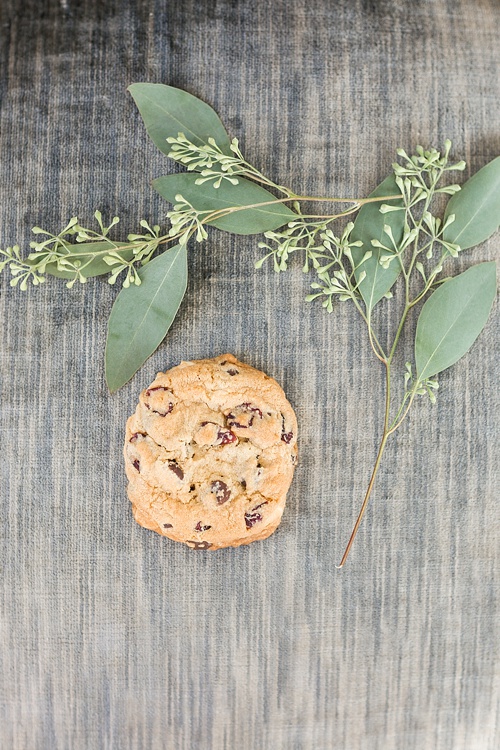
(210,454)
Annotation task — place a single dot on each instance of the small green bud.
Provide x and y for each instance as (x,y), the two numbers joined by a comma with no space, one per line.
(420,269)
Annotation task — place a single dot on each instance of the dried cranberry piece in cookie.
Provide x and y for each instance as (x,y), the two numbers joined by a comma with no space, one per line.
(158,403)
(136,435)
(231,370)
(211,433)
(221,491)
(287,437)
(157,388)
(252,517)
(224,437)
(243,416)
(200,527)
(136,465)
(174,466)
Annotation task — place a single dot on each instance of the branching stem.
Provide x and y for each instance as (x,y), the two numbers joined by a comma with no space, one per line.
(404,408)
(358,202)
(375,343)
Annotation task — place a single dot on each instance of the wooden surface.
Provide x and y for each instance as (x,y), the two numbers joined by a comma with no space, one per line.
(113,638)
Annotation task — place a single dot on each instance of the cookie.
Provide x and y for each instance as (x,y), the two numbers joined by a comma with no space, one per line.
(210,454)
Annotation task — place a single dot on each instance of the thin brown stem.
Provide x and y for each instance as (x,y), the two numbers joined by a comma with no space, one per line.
(365,501)
(380,453)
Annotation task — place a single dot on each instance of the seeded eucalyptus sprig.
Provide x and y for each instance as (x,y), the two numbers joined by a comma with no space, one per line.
(398,244)
(93,253)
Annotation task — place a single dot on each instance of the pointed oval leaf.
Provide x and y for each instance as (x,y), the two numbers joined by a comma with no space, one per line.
(452,319)
(207,198)
(142,315)
(476,207)
(369,225)
(97,266)
(168,111)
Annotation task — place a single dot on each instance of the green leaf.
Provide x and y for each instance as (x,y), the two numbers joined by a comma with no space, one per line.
(81,252)
(369,225)
(207,198)
(452,319)
(142,315)
(476,207)
(168,111)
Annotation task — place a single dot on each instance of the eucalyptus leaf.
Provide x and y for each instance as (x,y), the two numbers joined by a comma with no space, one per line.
(142,315)
(168,111)
(369,225)
(452,319)
(84,251)
(208,198)
(476,208)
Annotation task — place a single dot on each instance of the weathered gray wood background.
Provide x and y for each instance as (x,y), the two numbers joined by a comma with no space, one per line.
(112,638)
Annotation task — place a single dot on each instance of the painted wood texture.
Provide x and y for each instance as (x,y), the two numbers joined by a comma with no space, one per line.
(115,639)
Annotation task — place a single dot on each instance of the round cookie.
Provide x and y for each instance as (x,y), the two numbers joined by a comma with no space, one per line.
(210,454)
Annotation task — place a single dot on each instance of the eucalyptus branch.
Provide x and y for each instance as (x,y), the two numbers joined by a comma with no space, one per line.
(418,235)
(74,260)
